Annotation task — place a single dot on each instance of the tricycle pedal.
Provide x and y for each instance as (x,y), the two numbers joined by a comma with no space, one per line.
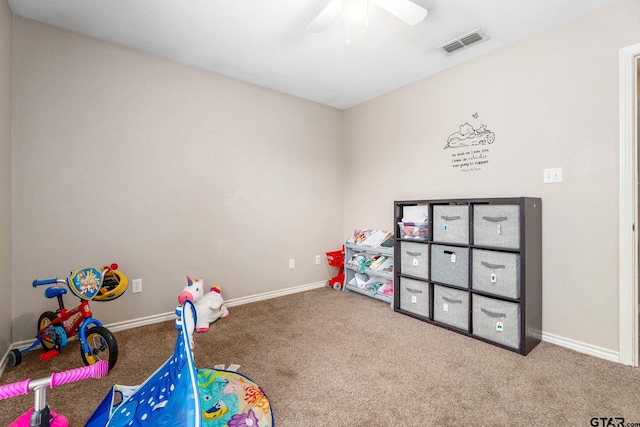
(49,355)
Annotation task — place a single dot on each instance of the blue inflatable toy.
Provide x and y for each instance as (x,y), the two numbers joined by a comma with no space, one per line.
(178,395)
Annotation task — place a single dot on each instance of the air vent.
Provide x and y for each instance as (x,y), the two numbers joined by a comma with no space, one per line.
(463,41)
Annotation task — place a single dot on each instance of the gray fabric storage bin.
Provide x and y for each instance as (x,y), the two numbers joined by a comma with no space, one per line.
(414,296)
(451,224)
(451,306)
(496,226)
(498,321)
(414,259)
(496,272)
(445,270)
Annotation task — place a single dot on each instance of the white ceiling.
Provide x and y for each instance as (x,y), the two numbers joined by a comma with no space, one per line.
(265,42)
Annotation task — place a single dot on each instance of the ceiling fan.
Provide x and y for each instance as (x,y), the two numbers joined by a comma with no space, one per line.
(405,10)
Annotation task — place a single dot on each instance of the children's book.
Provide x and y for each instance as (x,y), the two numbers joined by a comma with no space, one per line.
(387,242)
(386,264)
(378,262)
(375,238)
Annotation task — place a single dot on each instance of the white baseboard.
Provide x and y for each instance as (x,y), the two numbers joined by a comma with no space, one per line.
(578,346)
(158,318)
(581,347)
(164,317)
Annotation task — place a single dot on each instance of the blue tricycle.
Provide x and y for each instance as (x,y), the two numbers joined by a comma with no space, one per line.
(55,328)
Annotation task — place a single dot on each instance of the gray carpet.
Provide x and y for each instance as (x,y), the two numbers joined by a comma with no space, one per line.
(327,358)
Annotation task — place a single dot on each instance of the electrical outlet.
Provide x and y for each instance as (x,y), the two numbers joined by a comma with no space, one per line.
(136,286)
(318,259)
(292,263)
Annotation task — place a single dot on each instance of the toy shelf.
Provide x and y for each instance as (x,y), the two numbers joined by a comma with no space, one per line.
(357,278)
(474,266)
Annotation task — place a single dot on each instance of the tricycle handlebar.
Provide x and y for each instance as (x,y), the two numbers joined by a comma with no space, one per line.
(97,370)
(46,282)
(14,389)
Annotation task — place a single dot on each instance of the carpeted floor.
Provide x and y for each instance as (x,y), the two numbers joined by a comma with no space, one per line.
(327,358)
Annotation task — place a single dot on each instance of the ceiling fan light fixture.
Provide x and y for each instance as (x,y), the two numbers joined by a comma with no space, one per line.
(356,10)
(405,10)
(324,18)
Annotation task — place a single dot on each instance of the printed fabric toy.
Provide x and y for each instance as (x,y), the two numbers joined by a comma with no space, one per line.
(209,307)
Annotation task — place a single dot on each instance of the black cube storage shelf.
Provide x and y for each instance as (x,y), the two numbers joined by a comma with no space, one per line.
(474,268)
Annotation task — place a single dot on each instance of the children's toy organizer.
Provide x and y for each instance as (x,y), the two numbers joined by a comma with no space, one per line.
(178,395)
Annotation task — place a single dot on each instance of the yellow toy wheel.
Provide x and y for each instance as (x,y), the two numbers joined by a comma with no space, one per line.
(114,285)
(45,320)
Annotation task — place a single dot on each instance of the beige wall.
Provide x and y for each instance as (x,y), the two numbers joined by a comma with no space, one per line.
(166,170)
(208,176)
(6,18)
(552,101)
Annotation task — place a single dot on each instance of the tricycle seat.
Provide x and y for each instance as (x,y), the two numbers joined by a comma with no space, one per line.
(54,291)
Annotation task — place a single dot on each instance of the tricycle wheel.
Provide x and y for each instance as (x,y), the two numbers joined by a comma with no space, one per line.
(337,286)
(102,345)
(14,357)
(48,343)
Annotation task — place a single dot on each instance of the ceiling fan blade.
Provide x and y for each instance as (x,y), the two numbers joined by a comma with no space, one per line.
(325,17)
(405,10)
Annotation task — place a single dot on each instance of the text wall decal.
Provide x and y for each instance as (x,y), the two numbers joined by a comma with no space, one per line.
(470,146)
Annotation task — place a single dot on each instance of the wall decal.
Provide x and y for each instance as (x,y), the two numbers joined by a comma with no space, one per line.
(470,146)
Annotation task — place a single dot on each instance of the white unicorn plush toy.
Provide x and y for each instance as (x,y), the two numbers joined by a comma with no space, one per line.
(209,307)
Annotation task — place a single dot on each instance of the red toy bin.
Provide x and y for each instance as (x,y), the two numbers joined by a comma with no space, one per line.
(336,259)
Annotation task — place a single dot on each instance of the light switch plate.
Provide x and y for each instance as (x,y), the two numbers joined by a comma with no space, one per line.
(552,175)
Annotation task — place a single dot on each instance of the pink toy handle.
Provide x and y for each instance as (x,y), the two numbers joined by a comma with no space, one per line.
(14,389)
(97,370)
